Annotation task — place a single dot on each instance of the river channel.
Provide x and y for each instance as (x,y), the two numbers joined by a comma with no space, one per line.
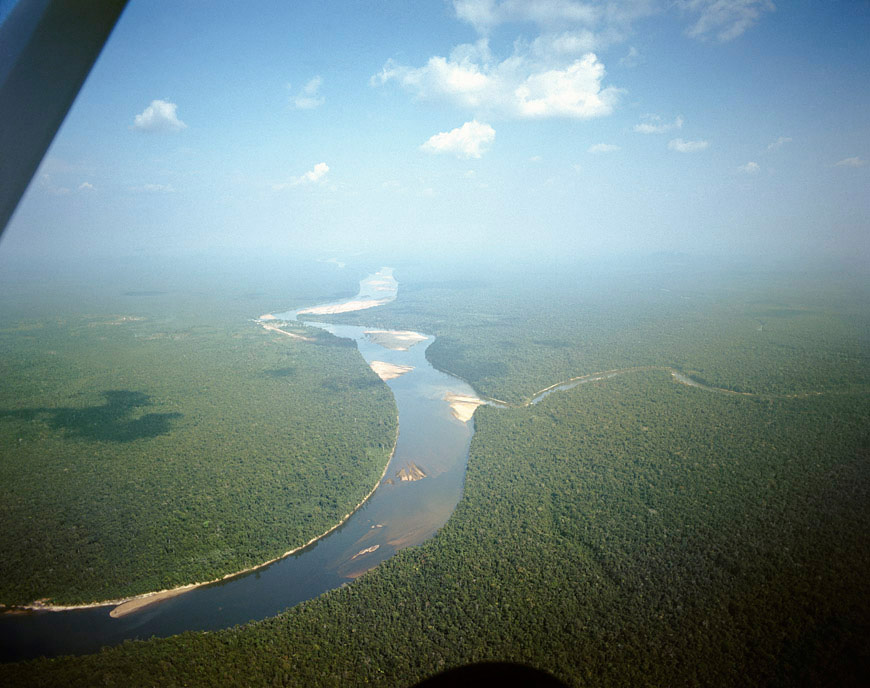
(399,513)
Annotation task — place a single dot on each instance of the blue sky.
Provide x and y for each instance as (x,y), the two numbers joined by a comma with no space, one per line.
(560,126)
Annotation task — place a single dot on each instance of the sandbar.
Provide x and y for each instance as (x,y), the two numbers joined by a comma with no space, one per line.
(275,328)
(332,309)
(268,316)
(137,603)
(463,406)
(410,473)
(397,340)
(367,550)
(389,371)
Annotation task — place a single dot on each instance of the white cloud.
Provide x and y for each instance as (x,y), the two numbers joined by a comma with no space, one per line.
(155,188)
(632,58)
(682,146)
(851,162)
(521,86)
(309,97)
(567,44)
(159,116)
(653,125)
(749,168)
(572,92)
(316,174)
(603,148)
(313,176)
(609,18)
(86,186)
(779,143)
(483,15)
(727,19)
(468,141)
(535,158)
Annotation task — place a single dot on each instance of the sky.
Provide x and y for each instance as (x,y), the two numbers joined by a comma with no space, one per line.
(561,127)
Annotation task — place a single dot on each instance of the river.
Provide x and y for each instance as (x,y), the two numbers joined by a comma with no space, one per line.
(398,514)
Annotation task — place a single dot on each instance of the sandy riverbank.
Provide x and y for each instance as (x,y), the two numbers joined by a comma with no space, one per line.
(389,371)
(463,406)
(129,605)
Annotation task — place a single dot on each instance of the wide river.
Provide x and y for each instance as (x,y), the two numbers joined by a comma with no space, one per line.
(397,515)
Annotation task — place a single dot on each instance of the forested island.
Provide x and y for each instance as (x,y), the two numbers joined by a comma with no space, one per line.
(631,530)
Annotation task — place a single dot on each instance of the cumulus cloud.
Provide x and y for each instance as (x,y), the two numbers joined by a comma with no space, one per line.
(749,168)
(309,97)
(851,162)
(653,124)
(682,146)
(160,116)
(725,19)
(518,87)
(468,141)
(603,148)
(86,186)
(779,143)
(313,176)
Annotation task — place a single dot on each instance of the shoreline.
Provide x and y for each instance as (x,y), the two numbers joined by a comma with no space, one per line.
(134,603)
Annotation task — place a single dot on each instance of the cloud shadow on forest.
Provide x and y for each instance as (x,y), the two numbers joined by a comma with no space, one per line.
(108,422)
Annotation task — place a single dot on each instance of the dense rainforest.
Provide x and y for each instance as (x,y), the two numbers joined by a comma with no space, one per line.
(628,531)
(153,437)
(511,332)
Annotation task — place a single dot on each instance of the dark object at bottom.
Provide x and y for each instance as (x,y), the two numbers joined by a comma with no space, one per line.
(492,674)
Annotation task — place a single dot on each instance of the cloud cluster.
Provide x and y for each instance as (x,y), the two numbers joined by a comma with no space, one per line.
(603,148)
(653,124)
(851,162)
(749,168)
(779,143)
(682,146)
(518,87)
(604,22)
(468,141)
(556,72)
(309,97)
(726,19)
(313,176)
(160,116)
